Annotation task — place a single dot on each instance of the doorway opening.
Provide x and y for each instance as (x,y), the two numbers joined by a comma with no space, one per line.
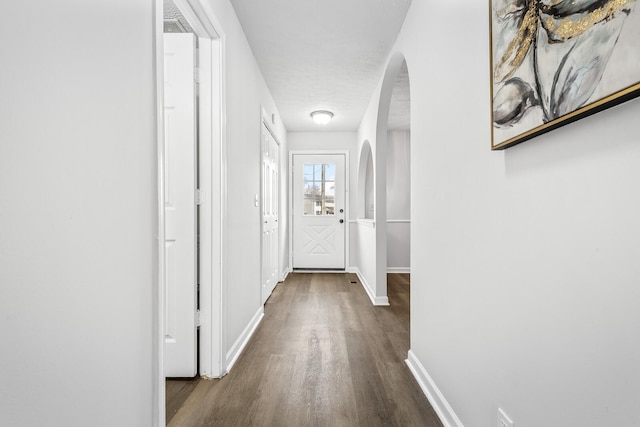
(393,178)
(399,183)
(318,197)
(180,190)
(191,152)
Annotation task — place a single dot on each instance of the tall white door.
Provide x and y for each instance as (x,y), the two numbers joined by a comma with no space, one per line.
(319,211)
(180,205)
(270,211)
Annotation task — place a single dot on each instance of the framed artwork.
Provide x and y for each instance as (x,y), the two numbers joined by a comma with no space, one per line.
(557,61)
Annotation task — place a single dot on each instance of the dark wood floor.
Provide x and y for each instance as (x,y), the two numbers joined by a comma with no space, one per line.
(322,356)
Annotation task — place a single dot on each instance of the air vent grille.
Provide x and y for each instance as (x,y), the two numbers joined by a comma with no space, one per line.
(173,26)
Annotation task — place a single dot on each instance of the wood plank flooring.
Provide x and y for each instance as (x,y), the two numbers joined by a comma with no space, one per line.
(322,356)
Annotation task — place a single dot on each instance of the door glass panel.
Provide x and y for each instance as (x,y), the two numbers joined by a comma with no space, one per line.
(330,189)
(317,172)
(319,189)
(330,172)
(308,172)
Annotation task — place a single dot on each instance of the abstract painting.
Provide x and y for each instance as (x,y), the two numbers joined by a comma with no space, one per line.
(557,61)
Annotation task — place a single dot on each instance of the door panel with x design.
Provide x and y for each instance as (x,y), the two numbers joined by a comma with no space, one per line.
(318,211)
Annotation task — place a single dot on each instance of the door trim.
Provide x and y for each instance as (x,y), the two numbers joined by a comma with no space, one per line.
(347,196)
(213,210)
(269,121)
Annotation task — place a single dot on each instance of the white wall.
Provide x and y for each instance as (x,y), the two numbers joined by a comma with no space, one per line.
(398,201)
(368,177)
(525,265)
(77,213)
(246,95)
(365,248)
(398,246)
(363,235)
(78,253)
(339,141)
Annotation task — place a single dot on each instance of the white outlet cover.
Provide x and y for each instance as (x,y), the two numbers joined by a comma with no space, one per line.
(503,419)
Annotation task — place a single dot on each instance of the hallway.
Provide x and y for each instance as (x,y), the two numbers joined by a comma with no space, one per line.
(322,356)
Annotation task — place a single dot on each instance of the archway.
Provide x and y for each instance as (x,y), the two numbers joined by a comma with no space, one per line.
(392,178)
(399,176)
(366,197)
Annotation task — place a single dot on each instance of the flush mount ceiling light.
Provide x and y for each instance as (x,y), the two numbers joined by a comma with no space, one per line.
(322,117)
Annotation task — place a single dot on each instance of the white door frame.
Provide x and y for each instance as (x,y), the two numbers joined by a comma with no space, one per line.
(212,170)
(347,196)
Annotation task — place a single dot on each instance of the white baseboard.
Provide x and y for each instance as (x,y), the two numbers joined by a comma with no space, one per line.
(430,389)
(406,270)
(285,274)
(374,299)
(243,339)
(310,270)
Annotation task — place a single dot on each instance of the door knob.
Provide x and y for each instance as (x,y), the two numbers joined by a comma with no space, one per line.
(341,221)
(341,210)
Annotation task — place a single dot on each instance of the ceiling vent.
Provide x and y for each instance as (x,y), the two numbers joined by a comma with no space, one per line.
(173,26)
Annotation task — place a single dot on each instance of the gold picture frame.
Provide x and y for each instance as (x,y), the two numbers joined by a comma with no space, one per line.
(557,61)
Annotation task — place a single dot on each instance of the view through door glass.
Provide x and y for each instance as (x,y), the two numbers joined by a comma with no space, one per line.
(319,189)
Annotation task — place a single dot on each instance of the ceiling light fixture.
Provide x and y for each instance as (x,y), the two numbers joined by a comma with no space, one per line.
(322,117)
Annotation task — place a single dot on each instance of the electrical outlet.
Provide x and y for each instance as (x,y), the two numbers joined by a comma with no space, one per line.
(503,419)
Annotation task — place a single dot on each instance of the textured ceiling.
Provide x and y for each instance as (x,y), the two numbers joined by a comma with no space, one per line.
(321,55)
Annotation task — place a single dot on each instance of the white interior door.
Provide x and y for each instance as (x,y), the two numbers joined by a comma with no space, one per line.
(270,213)
(319,211)
(180,205)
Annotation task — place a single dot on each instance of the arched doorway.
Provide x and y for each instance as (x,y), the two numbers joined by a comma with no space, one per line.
(392,179)
(365,183)
(399,176)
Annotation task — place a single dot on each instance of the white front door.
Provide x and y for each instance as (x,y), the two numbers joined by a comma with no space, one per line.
(180,206)
(319,211)
(270,204)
